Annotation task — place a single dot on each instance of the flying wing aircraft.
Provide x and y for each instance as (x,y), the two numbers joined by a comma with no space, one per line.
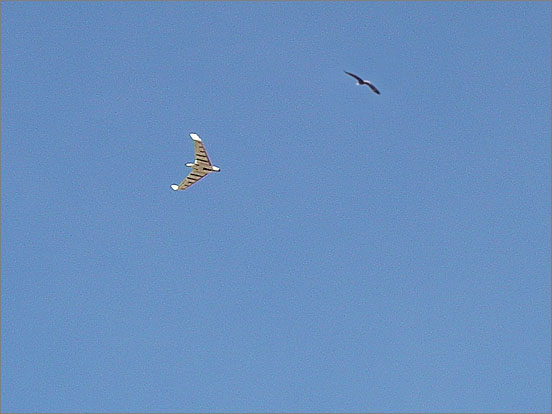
(361,81)
(200,167)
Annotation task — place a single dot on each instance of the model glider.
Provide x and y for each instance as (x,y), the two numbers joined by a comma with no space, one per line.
(200,167)
(363,82)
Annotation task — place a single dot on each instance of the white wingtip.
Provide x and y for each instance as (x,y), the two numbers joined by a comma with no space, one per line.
(174,187)
(195,137)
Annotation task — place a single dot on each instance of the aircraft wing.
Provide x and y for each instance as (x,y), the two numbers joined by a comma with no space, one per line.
(354,76)
(195,175)
(201,156)
(372,87)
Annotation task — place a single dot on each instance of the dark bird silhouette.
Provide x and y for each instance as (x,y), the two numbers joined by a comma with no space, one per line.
(363,82)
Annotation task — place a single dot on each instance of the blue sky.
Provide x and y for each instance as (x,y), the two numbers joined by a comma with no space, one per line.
(356,253)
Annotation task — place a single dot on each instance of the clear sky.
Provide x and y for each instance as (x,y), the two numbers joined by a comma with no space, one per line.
(356,253)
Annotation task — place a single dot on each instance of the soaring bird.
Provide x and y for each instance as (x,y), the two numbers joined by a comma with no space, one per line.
(363,82)
(200,167)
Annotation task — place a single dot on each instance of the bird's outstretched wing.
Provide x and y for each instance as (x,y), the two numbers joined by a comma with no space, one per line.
(201,156)
(354,76)
(195,175)
(372,87)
